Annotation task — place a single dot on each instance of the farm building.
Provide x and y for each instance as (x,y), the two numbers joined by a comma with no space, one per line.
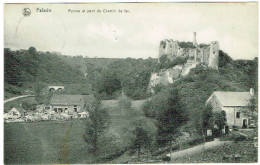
(235,105)
(70,103)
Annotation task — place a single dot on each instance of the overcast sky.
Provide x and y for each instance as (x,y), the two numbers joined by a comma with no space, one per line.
(136,34)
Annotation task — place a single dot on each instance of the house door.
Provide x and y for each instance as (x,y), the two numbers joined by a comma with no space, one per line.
(226,129)
(244,123)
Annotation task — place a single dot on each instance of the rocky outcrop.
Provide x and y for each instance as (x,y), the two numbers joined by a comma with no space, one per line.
(168,76)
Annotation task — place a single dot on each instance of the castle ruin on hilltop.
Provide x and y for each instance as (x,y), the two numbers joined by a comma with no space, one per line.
(207,54)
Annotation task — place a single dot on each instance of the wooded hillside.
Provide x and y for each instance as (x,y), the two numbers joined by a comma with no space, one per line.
(23,69)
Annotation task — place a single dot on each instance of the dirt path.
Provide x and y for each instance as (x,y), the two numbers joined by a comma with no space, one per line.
(197,149)
(18,97)
(64,152)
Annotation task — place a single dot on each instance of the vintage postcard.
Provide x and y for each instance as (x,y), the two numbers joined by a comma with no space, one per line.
(127,83)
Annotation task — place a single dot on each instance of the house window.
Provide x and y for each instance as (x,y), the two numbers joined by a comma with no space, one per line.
(237,114)
(60,109)
(55,109)
(252,122)
(75,108)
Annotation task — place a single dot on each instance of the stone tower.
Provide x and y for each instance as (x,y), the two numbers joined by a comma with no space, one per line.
(194,40)
(214,55)
(196,47)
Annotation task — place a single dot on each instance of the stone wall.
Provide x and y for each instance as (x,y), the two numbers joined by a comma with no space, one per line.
(231,116)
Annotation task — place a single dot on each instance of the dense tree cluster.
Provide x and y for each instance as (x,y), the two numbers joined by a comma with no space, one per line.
(96,125)
(169,113)
(131,76)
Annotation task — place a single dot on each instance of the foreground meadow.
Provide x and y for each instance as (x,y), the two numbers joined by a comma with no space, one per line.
(62,141)
(45,142)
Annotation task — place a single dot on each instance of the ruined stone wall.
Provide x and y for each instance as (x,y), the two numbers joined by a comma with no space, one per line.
(191,54)
(161,49)
(206,54)
(170,48)
(203,55)
(167,47)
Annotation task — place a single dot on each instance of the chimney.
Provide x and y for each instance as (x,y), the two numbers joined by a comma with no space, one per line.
(252,92)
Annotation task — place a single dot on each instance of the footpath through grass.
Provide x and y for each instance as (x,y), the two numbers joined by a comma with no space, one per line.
(240,152)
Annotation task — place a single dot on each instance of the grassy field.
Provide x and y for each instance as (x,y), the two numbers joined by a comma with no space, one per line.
(45,142)
(62,142)
(136,104)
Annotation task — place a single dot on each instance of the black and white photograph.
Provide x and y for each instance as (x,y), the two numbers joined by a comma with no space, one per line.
(130,83)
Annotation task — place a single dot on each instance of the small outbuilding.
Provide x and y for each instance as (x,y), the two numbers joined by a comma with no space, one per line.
(16,112)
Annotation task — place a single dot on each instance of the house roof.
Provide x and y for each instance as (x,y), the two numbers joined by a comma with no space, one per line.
(88,98)
(233,98)
(19,109)
(67,100)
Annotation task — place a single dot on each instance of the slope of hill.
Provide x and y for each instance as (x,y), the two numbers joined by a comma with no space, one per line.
(25,69)
(85,64)
(111,76)
(130,76)
(195,88)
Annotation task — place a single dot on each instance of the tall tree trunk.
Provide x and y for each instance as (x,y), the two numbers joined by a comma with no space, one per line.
(139,150)
(171,150)
(96,130)
(204,140)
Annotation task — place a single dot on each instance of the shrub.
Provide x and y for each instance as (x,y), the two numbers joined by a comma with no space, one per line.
(188,79)
(163,59)
(239,137)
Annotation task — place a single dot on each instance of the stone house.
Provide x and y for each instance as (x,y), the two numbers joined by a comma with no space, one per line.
(16,112)
(235,104)
(70,104)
